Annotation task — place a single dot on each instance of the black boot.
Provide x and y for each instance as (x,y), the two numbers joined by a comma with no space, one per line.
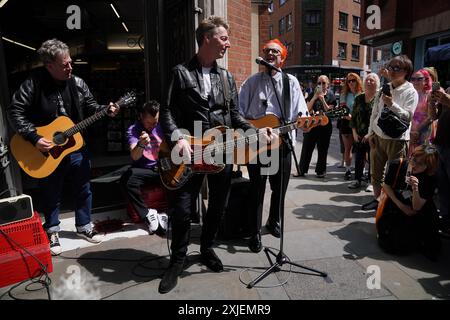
(211,260)
(170,278)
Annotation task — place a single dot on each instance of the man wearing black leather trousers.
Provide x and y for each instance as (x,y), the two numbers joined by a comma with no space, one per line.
(203,94)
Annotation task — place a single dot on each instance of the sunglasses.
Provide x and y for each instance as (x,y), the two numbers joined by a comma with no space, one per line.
(417,78)
(321,83)
(351,80)
(395,68)
(275,52)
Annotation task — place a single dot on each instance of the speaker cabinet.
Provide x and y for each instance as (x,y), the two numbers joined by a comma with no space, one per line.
(15,209)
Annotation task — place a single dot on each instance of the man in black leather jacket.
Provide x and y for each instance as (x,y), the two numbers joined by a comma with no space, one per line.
(196,98)
(51,92)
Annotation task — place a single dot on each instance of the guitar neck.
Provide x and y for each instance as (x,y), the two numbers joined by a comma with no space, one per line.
(253,138)
(285,129)
(86,123)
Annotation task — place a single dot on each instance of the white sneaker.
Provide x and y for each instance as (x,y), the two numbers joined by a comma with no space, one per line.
(91,235)
(369,188)
(153,222)
(163,220)
(55,246)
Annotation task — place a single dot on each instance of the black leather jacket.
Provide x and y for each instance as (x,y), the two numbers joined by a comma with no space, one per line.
(36,102)
(186,102)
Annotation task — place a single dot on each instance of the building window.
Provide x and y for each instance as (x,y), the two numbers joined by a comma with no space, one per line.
(312,18)
(342,50)
(290,48)
(343,21)
(270,7)
(289,21)
(282,2)
(282,26)
(355,52)
(356,22)
(312,48)
(271,32)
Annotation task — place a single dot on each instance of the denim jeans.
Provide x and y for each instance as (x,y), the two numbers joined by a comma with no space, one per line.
(76,168)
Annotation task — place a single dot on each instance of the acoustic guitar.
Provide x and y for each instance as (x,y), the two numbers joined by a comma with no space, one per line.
(235,148)
(66,138)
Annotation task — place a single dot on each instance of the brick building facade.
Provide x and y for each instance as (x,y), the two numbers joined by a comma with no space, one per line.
(410,27)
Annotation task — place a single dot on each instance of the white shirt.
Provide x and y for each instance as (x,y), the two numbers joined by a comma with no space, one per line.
(257,98)
(207,83)
(405,99)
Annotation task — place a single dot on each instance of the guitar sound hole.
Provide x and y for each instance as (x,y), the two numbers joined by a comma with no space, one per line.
(59,138)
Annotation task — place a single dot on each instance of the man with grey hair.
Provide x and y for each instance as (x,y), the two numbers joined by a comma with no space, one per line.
(50,92)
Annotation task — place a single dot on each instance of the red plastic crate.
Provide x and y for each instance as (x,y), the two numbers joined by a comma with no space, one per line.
(17,265)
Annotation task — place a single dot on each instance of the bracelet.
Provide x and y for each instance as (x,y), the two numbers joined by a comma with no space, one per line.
(140,145)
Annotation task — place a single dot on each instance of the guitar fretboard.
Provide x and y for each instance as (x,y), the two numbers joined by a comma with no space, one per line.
(85,123)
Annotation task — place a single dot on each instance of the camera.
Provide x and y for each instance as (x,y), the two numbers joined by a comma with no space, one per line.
(386,89)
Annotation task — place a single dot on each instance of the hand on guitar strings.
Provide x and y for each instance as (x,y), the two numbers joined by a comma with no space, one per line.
(113,109)
(268,135)
(44,145)
(183,148)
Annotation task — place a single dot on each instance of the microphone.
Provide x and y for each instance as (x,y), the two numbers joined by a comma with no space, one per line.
(263,62)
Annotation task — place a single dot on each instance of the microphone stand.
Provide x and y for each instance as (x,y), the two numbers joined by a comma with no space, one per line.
(281,258)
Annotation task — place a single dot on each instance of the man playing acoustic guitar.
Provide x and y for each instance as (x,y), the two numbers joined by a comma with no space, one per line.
(256,100)
(49,93)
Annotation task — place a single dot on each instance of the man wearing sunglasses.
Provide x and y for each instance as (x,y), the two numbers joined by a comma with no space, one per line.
(256,100)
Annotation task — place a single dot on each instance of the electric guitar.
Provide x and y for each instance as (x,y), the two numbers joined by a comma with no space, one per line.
(64,135)
(338,112)
(236,148)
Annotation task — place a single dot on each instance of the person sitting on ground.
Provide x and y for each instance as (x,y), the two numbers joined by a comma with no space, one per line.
(410,219)
(144,138)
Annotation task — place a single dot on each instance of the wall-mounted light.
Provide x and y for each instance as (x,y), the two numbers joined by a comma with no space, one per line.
(19,44)
(118,17)
(3,2)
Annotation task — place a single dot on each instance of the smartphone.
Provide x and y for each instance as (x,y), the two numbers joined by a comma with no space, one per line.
(386,90)
(318,88)
(435,86)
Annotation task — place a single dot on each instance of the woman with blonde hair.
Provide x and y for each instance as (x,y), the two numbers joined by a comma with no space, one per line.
(323,100)
(360,122)
(352,87)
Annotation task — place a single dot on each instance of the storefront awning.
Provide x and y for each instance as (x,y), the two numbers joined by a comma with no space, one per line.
(438,53)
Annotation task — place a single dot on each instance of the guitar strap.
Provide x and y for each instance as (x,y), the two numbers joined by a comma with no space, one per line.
(286,100)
